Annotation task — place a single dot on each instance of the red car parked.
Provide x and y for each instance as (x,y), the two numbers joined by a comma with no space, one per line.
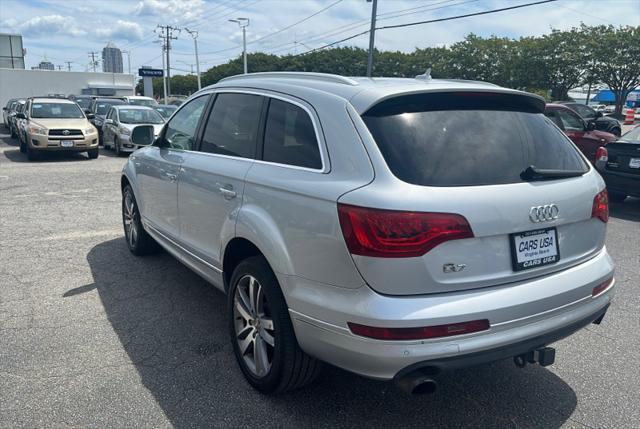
(583,134)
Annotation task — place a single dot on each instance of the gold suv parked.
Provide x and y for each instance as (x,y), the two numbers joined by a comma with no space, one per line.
(54,124)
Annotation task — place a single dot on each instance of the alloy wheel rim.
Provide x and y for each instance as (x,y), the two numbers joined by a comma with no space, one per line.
(253,325)
(129,215)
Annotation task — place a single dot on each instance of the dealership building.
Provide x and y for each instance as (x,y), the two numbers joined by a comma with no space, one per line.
(20,83)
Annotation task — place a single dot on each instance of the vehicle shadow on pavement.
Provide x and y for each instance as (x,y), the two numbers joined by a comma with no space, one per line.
(16,156)
(172,325)
(627,210)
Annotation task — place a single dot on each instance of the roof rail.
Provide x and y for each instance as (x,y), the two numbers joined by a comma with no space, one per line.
(321,77)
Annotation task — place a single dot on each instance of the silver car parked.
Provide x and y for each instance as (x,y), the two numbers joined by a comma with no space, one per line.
(396,228)
(122,120)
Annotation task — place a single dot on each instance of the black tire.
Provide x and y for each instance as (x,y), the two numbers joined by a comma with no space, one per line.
(291,368)
(93,153)
(32,154)
(617,197)
(13,133)
(23,148)
(143,243)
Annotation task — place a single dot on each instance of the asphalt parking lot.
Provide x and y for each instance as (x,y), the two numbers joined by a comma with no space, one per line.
(92,336)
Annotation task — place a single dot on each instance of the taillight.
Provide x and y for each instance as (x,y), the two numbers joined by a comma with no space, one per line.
(600,207)
(419,333)
(398,234)
(601,287)
(602,155)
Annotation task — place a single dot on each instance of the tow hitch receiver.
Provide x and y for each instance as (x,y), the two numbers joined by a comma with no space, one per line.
(544,356)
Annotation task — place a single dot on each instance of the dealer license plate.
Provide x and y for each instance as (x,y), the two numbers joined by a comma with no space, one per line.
(534,249)
(66,143)
(634,163)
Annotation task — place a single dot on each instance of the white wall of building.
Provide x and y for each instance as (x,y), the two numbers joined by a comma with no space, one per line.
(16,83)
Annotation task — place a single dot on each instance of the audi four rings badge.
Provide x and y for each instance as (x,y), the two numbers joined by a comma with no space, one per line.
(544,213)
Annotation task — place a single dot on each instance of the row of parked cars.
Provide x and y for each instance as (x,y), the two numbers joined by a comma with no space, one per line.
(80,123)
(598,137)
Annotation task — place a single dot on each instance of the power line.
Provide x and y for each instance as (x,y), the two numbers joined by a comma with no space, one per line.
(409,24)
(380,17)
(276,32)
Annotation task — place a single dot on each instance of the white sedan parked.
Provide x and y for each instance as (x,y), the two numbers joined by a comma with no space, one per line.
(122,120)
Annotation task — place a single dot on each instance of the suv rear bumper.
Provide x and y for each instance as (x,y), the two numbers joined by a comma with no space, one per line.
(523,316)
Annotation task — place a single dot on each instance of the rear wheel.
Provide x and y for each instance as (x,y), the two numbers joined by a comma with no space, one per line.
(262,335)
(138,240)
(23,147)
(13,133)
(617,197)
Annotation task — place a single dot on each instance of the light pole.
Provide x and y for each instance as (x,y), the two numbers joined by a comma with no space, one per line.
(194,34)
(243,23)
(372,35)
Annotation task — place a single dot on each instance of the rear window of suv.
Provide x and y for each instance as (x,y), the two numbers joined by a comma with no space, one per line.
(468,139)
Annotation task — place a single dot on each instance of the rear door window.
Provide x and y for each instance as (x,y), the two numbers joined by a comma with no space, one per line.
(467,139)
(290,137)
(233,124)
(570,121)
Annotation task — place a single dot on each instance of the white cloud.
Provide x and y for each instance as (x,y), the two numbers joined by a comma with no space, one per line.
(122,30)
(47,25)
(173,9)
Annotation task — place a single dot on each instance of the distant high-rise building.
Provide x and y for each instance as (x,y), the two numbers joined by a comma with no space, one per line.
(44,65)
(11,51)
(111,59)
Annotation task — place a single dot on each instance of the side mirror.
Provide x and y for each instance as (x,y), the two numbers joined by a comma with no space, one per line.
(142,135)
(591,126)
(109,121)
(21,116)
(90,116)
(598,114)
(4,108)
(87,111)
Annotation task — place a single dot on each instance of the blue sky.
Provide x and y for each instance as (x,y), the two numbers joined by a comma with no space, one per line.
(66,30)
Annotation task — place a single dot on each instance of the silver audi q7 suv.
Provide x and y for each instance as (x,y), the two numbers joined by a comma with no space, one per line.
(396,228)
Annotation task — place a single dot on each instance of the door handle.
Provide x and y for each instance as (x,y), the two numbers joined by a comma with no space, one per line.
(227,193)
(172,177)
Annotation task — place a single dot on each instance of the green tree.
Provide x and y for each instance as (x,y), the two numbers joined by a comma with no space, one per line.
(564,58)
(615,53)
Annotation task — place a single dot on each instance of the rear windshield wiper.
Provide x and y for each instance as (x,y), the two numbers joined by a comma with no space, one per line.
(533,173)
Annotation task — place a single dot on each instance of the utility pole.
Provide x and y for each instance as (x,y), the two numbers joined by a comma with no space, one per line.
(372,35)
(68,65)
(164,76)
(128,60)
(194,34)
(243,23)
(166,33)
(93,60)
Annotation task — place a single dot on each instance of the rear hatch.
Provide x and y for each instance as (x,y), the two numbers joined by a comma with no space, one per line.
(476,190)
(624,157)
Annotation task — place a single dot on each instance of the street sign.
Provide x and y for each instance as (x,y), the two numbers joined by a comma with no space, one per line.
(150,72)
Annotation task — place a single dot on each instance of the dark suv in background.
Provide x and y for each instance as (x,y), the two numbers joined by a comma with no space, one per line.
(603,123)
(99,108)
